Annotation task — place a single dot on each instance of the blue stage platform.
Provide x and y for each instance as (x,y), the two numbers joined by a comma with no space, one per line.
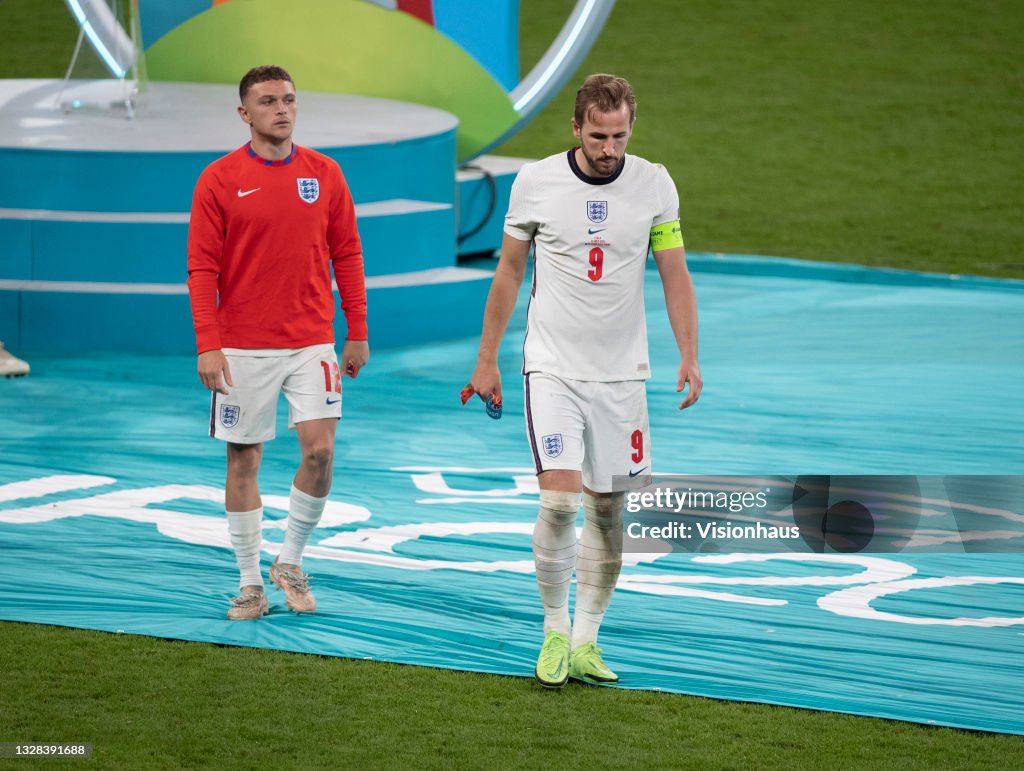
(94,212)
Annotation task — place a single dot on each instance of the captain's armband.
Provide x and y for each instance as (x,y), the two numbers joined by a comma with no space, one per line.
(667,235)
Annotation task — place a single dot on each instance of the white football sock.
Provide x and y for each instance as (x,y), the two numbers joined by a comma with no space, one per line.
(598,564)
(246,531)
(554,555)
(304,512)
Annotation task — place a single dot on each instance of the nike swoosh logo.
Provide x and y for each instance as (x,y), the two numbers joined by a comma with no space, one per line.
(635,473)
(558,674)
(247,192)
(333,401)
(591,231)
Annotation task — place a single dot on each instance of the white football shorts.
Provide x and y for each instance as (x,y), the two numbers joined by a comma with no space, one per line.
(600,429)
(309,378)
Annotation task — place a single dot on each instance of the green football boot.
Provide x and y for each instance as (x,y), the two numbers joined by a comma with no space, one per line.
(585,664)
(553,663)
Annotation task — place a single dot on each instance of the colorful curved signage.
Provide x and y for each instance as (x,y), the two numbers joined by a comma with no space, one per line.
(457,55)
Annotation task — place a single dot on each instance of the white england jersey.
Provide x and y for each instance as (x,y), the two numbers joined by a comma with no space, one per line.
(586,317)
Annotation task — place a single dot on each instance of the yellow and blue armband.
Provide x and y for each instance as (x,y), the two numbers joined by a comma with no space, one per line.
(667,235)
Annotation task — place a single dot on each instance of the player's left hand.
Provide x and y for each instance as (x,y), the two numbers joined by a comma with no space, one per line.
(689,372)
(354,356)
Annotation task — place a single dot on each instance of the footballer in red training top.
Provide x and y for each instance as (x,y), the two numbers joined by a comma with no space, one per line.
(268,223)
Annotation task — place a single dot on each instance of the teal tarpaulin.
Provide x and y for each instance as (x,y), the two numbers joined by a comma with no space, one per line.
(111,515)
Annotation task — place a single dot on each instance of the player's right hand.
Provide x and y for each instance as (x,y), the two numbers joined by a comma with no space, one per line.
(214,372)
(486,381)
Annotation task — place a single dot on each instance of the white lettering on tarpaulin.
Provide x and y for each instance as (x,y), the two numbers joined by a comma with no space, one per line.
(431,479)
(37,488)
(434,483)
(875,569)
(375,545)
(138,505)
(878,577)
(856,601)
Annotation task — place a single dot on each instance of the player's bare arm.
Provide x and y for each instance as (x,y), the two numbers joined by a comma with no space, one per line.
(501,301)
(681,303)
(214,372)
(354,356)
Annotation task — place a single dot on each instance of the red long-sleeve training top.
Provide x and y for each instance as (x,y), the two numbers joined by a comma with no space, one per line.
(261,239)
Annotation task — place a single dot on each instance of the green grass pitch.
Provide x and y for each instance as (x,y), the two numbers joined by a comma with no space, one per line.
(874,132)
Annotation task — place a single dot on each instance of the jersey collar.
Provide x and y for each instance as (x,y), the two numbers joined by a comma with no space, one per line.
(571,155)
(283,162)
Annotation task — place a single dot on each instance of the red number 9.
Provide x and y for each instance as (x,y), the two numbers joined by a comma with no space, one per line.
(637,441)
(597,260)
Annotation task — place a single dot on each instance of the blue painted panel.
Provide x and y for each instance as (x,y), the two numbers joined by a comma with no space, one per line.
(85,181)
(400,243)
(418,314)
(488,30)
(421,169)
(73,323)
(15,249)
(156,253)
(108,251)
(158,17)
(63,323)
(163,182)
(479,205)
(10,320)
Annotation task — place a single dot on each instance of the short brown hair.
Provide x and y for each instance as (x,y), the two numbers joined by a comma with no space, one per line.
(261,74)
(604,93)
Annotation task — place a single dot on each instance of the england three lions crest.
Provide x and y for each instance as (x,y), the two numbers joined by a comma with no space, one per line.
(309,188)
(229,415)
(552,444)
(597,211)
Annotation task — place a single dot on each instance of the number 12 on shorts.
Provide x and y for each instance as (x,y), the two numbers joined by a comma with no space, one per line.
(332,376)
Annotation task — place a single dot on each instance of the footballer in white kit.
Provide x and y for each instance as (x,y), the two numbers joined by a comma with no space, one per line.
(585,354)
(591,215)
